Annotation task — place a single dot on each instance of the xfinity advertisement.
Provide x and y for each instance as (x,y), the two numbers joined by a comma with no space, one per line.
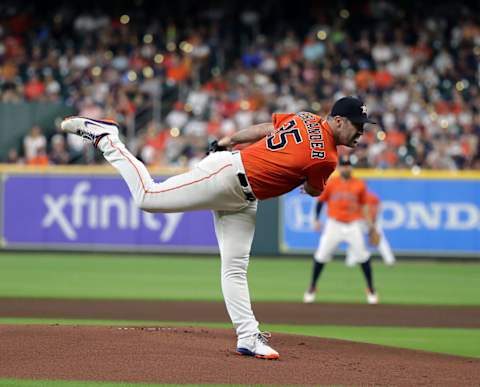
(94,213)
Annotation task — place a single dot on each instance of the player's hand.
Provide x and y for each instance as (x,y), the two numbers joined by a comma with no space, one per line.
(373,236)
(225,143)
(214,146)
(307,188)
(317,225)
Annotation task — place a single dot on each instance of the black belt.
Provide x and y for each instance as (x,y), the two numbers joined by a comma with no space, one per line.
(244,183)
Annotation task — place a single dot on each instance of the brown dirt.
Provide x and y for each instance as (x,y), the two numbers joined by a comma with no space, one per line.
(205,355)
(200,356)
(280,313)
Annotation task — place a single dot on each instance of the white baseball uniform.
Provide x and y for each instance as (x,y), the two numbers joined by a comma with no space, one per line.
(345,199)
(383,246)
(213,184)
(336,232)
(301,148)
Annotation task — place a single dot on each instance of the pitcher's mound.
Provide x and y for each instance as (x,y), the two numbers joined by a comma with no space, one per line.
(206,356)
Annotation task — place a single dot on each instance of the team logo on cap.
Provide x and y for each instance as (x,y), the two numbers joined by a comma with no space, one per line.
(364,109)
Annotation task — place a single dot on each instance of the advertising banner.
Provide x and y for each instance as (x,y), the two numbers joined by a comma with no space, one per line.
(94,213)
(419,216)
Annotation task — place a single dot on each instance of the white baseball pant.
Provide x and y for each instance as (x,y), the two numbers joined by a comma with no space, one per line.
(383,247)
(336,232)
(213,184)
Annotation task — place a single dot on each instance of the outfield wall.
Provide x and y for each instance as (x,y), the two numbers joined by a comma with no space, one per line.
(89,208)
(430,214)
(69,209)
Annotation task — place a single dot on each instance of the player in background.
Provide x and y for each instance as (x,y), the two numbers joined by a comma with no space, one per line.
(346,198)
(293,150)
(373,203)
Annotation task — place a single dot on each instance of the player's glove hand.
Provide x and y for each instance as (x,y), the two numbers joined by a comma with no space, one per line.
(214,147)
(373,237)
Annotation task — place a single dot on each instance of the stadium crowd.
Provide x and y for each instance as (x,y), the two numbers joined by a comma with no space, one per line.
(175,82)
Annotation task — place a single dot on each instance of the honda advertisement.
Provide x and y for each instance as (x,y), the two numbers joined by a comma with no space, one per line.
(94,213)
(430,217)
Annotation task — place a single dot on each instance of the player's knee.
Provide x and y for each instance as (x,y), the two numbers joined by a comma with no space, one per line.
(234,266)
(146,208)
(143,206)
(141,202)
(234,273)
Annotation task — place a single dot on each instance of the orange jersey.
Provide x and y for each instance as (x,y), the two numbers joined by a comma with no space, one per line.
(345,198)
(373,203)
(301,148)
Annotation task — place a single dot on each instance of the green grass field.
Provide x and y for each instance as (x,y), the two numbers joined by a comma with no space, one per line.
(183,278)
(90,276)
(63,383)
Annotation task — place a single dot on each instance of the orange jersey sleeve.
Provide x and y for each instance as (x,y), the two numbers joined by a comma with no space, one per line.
(362,195)
(279,118)
(301,148)
(317,174)
(326,193)
(345,198)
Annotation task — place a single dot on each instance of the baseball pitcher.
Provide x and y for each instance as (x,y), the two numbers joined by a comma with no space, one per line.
(292,150)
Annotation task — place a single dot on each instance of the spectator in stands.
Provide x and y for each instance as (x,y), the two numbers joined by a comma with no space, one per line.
(41,157)
(34,89)
(214,72)
(59,153)
(13,157)
(34,144)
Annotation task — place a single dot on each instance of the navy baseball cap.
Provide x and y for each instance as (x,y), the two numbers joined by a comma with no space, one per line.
(353,109)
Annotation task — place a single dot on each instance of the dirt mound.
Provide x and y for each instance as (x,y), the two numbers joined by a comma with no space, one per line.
(204,355)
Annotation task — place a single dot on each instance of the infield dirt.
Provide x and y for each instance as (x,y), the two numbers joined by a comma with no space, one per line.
(205,355)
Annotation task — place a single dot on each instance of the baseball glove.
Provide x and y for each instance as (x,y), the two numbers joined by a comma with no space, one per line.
(214,147)
(373,237)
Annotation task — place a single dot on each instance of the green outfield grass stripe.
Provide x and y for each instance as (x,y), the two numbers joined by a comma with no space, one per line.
(460,342)
(453,341)
(34,321)
(64,383)
(61,383)
(100,276)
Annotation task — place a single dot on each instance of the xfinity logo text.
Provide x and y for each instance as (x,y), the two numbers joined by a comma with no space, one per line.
(81,210)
